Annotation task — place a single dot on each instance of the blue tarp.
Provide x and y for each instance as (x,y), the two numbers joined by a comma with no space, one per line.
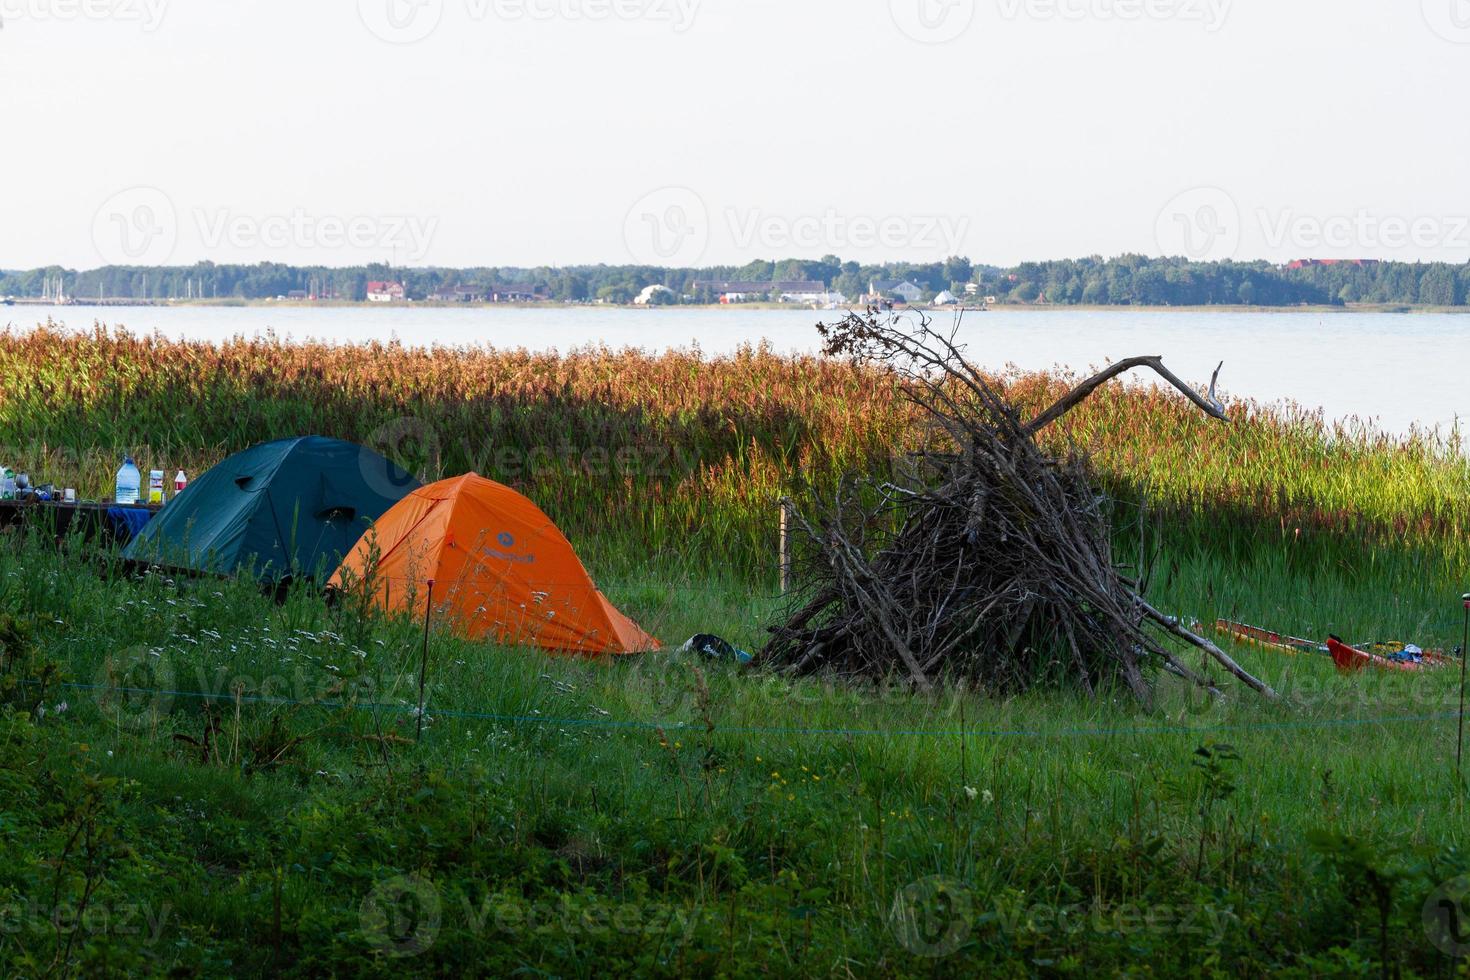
(127,522)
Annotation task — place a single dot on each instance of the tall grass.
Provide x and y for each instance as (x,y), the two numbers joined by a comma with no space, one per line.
(785,819)
(677,459)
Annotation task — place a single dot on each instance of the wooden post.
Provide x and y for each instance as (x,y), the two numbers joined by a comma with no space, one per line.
(785,545)
(424,663)
(1464,654)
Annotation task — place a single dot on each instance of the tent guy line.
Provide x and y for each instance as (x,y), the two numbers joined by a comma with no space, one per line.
(741,730)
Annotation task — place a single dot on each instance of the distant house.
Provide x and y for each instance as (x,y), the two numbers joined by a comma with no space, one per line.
(385,292)
(819,296)
(646,297)
(894,289)
(514,293)
(459,294)
(945,298)
(1311,263)
(298,294)
(827,299)
(740,291)
(972,288)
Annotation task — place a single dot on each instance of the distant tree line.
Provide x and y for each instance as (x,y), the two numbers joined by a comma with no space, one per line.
(1127,280)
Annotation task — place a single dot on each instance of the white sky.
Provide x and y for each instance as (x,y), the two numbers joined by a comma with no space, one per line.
(520,132)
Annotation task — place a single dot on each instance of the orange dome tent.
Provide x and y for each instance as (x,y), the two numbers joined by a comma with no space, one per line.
(500,568)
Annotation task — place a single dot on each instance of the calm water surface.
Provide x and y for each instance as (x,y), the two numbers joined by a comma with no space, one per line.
(1398,371)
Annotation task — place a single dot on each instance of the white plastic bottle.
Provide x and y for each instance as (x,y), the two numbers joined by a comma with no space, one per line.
(128,482)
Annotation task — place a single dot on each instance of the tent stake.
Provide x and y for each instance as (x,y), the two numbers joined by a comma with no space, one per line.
(424,663)
(1464,653)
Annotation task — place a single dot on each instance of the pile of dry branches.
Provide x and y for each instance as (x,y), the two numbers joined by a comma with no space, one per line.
(989,561)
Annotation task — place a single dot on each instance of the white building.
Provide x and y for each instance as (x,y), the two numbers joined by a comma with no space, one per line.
(906,291)
(649,292)
(385,292)
(815,297)
(945,298)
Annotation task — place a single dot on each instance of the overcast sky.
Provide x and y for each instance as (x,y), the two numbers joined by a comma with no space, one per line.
(522,132)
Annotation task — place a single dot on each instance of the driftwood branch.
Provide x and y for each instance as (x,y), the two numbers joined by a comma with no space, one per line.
(1172,625)
(1208,403)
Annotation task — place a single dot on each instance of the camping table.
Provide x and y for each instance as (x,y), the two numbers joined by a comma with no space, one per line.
(59,517)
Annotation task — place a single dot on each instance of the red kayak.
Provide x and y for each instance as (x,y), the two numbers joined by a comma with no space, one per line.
(1350,660)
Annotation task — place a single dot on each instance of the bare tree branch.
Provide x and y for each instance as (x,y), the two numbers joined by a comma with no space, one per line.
(1208,404)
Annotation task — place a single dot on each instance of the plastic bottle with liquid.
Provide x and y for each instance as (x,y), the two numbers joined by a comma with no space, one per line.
(129,481)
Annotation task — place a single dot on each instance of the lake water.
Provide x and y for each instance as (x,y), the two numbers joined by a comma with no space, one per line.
(1395,370)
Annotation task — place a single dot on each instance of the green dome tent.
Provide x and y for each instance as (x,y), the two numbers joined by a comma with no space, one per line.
(289,507)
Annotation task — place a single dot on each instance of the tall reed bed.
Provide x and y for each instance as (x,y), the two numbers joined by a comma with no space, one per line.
(678,456)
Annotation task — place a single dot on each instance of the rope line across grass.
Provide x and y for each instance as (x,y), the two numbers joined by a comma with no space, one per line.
(746,730)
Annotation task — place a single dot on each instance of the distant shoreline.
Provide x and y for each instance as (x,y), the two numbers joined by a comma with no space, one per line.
(1402,308)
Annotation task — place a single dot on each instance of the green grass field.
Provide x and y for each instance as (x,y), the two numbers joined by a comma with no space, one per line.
(220,783)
